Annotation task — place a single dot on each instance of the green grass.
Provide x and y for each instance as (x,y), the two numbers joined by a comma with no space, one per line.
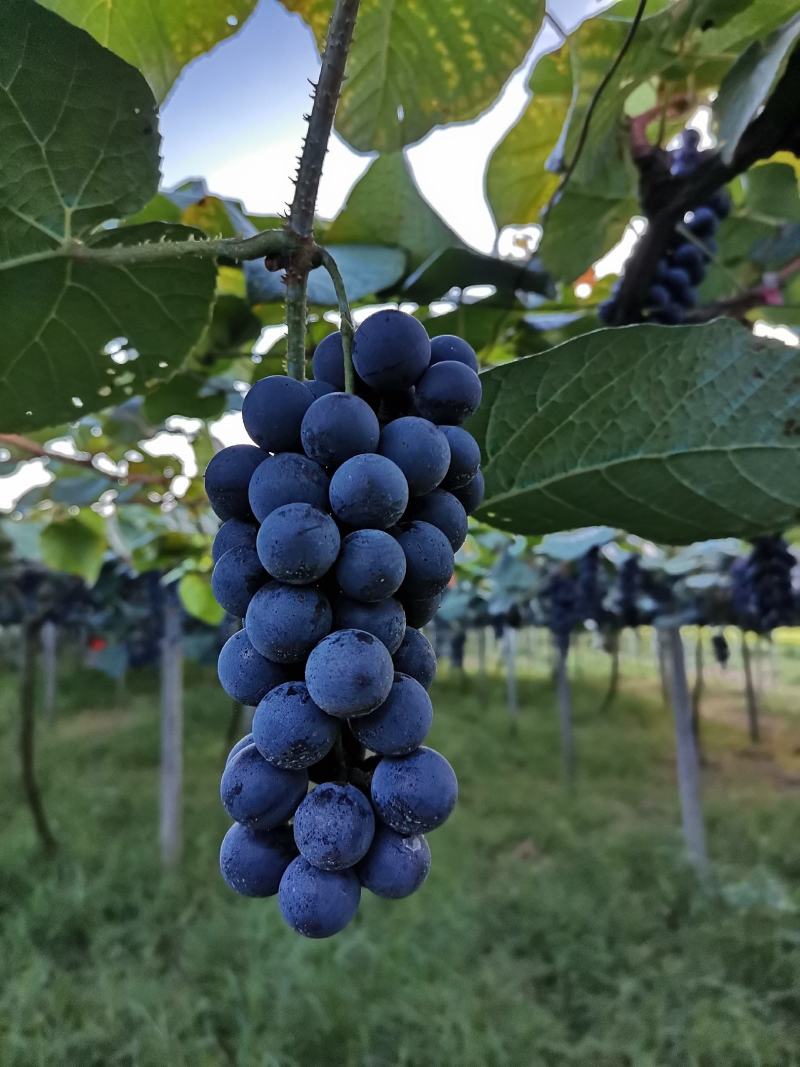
(554,929)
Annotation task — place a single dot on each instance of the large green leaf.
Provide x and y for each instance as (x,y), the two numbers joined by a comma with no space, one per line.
(416,65)
(749,82)
(79,145)
(76,545)
(195,592)
(463,267)
(158,36)
(673,433)
(385,207)
(80,335)
(78,132)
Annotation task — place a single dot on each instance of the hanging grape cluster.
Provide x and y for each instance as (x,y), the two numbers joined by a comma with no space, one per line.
(673,288)
(563,603)
(339,529)
(770,567)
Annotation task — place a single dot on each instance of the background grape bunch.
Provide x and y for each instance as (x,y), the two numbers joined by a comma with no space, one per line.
(340,525)
(673,289)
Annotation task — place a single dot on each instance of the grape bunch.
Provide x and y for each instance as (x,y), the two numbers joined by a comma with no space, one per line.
(770,568)
(673,287)
(721,648)
(340,525)
(563,599)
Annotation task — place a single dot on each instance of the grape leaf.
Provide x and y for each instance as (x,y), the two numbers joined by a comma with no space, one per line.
(195,592)
(463,267)
(385,207)
(580,227)
(416,65)
(673,433)
(103,332)
(749,82)
(517,184)
(158,38)
(75,545)
(80,145)
(79,130)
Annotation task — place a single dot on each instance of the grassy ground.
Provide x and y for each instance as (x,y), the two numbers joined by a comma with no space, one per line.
(554,929)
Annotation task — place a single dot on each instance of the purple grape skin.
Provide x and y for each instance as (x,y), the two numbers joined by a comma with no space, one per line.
(317,903)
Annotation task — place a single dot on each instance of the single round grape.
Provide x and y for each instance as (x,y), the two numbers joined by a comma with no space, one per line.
(448,392)
(447,347)
(419,449)
(338,426)
(287,479)
(319,388)
(237,575)
(244,674)
(231,534)
(328,360)
(349,673)
(414,794)
(442,510)
(689,258)
(396,865)
(402,721)
(252,862)
(471,495)
(227,480)
(678,283)
(284,622)
(416,658)
(607,311)
(658,296)
(243,742)
(289,729)
(703,222)
(317,903)
(385,619)
(391,350)
(720,203)
(420,610)
(334,826)
(429,559)
(371,565)
(298,543)
(369,491)
(465,458)
(273,410)
(257,794)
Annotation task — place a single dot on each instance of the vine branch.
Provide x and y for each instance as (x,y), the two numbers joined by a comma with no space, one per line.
(36,451)
(300,223)
(272,244)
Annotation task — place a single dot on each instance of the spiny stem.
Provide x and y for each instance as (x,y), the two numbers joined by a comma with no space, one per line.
(300,223)
(326,97)
(347,328)
(296,324)
(267,243)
